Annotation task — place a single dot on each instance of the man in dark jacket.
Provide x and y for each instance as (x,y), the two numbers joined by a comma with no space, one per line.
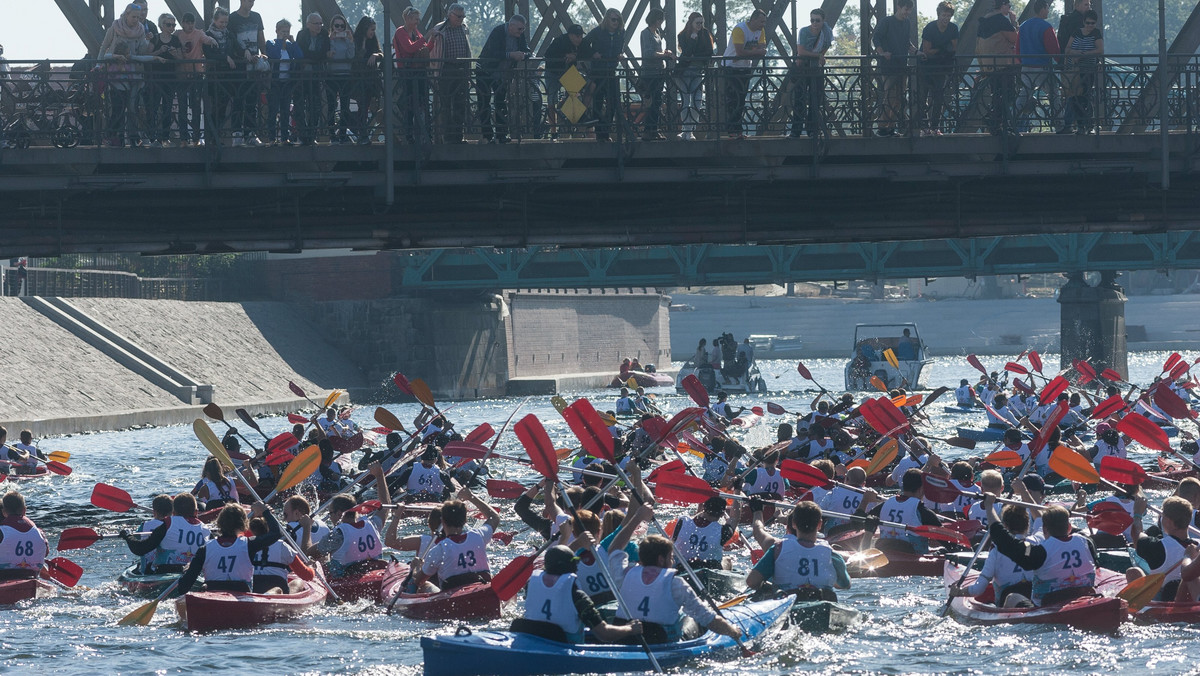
(506,45)
(313,42)
(603,47)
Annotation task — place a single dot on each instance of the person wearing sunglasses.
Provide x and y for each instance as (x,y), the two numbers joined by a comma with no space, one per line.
(603,47)
(1085,51)
(338,88)
(808,94)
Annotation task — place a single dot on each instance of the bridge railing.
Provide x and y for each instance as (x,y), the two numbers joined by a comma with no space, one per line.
(102,102)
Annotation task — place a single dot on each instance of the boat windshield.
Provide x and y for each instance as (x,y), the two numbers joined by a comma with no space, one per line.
(871,340)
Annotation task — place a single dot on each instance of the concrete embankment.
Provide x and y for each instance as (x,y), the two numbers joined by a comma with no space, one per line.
(826,326)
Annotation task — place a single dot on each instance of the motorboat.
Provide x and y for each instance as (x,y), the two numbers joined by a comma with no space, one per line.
(892,353)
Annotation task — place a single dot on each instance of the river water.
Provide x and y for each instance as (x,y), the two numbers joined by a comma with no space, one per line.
(76,632)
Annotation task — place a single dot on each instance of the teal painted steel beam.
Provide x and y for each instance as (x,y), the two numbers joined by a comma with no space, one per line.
(713,264)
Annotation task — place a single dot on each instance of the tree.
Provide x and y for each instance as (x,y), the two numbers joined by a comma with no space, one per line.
(1131,26)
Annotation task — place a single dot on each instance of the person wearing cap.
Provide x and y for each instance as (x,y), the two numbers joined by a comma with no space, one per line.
(1109,442)
(1007,579)
(556,609)
(723,409)
(425,480)
(460,558)
(560,56)
(700,538)
(801,562)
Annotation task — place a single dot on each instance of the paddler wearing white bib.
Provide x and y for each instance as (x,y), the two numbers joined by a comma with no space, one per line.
(226,561)
(801,563)
(23,546)
(1063,565)
(461,557)
(558,610)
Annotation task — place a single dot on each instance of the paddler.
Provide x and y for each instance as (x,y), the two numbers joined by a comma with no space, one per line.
(25,460)
(1109,442)
(905,508)
(766,481)
(414,543)
(558,610)
(1000,417)
(655,594)
(214,488)
(1063,565)
(801,562)
(425,480)
(1007,579)
(296,507)
(461,557)
(624,404)
(552,514)
(700,538)
(353,545)
(271,565)
(587,530)
(845,499)
(161,508)
(23,546)
(176,540)
(330,425)
(723,409)
(1161,554)
(963,394)
(226,561)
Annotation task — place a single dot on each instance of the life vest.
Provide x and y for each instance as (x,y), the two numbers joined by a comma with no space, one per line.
(463,553)
(273,561)
(624,406)
(360,541)
(184,538)
(316,533)
(649,602)
(147,560)
(1068,565)
(898,511)
(24,546)
(963,501)
(1006,572)
(229,562)
(765,482)
(590,575)
(715,466)
(699,544)
(841,499)
(963,396)
(424,479)
(226,493)
(1105,449)
(554,604)
(802,564)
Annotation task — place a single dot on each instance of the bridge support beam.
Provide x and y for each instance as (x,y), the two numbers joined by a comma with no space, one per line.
(1093,323)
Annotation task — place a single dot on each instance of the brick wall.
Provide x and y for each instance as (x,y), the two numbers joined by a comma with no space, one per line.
(585,331)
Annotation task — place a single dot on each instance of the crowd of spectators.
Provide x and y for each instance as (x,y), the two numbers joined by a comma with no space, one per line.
(169,82)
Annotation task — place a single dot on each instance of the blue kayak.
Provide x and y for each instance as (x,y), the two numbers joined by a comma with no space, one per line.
(985,434)
(962,410)
(504,653)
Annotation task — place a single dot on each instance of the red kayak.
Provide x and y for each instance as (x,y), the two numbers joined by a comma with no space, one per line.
(901,564)
(355,587)
(476,601)
(40,473)
(1165,611)
(210,611)
(347,445)
(12,591)
(1091,613)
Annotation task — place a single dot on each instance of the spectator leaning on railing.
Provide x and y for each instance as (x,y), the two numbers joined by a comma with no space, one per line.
(249,42)
(412,66)
(560,55)
(368,61)
(747,44)
(450,58)
(505,46)
(1038,47)
(996,46)
(163,81)
(191,86)
(314,43)
(655,59)
(893,47)
(939,45)
(603,48)
(219,71)
(695,54)
(285,55)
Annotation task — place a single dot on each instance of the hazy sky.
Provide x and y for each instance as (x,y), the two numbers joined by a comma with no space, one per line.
(53,38)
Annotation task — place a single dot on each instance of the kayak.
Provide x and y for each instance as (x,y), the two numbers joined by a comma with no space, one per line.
(1092,613)
(721,583)
(962,410)
(477,601)
(818,617)
(504,653)
(901,564)
(40,473)
(12,591)
(210,611)
(1167,611)
(146,585)
(1113,559)
(356,587)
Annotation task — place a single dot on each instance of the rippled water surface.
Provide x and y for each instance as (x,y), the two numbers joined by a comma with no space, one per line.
(76,633)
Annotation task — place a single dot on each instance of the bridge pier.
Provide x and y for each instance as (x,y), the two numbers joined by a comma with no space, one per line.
(1093,323)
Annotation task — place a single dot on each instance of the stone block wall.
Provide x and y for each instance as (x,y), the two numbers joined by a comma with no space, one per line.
(586,330)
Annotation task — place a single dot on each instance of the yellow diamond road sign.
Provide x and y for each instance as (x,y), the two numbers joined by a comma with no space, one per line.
(573,108)
(572,81)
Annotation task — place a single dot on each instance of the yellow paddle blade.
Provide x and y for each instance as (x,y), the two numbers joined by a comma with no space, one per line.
(1071,465)
(564,453)
(333,396)
(140,616)
(209,438)
(299,469)
(631,383)
(422,392)
(878,384)
(59,456)
(890,356)
(1142,590)
(388,419)
(683,447)
(883,457)
(608,419)
(559,403)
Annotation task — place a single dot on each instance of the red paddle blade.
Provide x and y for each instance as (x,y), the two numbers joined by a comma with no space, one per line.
(757,410)
(504,489)
(504,537)
(297,419)
(1086,373)
(1052,389)
(1043,436)
(465,449)
(939,489)
(596,437)
(1036,360)
(64,571)
(1020,386)
(402,383)
(1139,428)
(1113,522)
(1171,403)
(282,442)
(775,409)
(683,488)
(1014,367)
(1178,370)
(58,468)
(367,507)
(276,458)
(804,473)
(481,434)
(1108,407)
(1171,361)
(941,534)
(77,538)
(538,445)
(1109,374)
(803,371)
(974,361)
(1122,471)
(695,390)
(887,415)
(512,578)
(112,498)
(296,390)
(968,527)
(676,466)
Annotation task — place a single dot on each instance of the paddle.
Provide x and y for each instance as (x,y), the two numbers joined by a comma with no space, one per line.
(297,419)
(1054,387)
(540,449)
(287,479)
(332,397)
(1142,430)
(299,469)
(143,613)
(1086,373)
(423,394)
(114,499)
(1109,406)
(1035,360)
(1005,458)
(890,357)
(480,434)
(776,409)
(805,374)
(883,457)
(878,384)
(59,456)
(62,571)
(1113,522)
(249,420)
(214,411)
(299,393)
(695,389)
(54,466)
(82,538)
(974,361)
(388,419)
(1139,593)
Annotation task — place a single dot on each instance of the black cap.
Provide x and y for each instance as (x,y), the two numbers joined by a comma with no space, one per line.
(575,29)
(430,453)
(560,560)
(1034,482)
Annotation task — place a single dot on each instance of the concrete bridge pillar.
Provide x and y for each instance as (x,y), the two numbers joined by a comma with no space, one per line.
(1093,323)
